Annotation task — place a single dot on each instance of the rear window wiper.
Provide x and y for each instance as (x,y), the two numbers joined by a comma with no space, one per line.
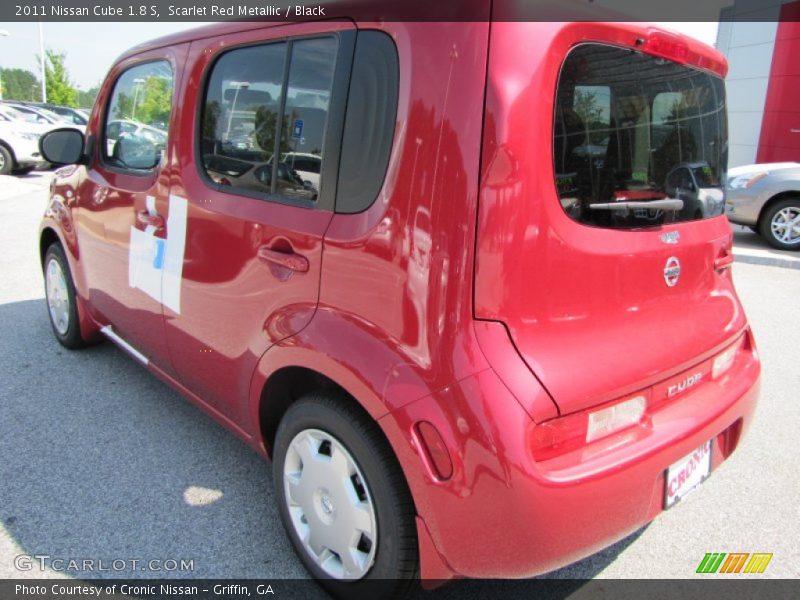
(627,206)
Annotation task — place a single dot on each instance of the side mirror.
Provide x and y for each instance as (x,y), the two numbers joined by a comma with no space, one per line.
(62,146)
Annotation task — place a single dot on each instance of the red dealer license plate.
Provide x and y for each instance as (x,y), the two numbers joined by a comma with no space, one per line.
(686,474)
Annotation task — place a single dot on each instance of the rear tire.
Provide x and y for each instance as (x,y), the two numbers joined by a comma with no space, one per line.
(341,493)
(6,161)
(780,224)
(60,297)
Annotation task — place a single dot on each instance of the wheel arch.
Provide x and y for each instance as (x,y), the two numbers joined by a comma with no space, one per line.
(283,388)
(773,200)
(47,236)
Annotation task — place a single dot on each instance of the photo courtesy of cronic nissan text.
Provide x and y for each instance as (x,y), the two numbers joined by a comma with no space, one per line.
(399,299)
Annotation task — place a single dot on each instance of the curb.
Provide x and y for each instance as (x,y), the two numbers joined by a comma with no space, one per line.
(768,261)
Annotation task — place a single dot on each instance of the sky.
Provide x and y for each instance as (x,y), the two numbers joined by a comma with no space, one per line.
(91,48)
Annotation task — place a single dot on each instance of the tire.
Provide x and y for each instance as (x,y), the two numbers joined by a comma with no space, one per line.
(60,297)
(382,547)
(6,161)
(776,224)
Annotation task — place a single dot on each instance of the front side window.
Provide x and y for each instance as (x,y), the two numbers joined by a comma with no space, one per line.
(138,116)
(638,141)
(263,134)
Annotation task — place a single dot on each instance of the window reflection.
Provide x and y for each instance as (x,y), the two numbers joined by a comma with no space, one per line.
(638,141)
(245,95)
(138,117)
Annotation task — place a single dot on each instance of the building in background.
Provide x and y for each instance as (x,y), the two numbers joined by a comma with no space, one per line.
(761,39)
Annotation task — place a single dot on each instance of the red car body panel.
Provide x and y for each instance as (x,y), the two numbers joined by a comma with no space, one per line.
(463,297)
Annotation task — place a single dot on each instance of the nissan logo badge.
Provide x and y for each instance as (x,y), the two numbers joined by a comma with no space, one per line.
(672,271)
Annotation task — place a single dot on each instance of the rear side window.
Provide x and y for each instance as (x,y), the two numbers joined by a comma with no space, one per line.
(137,119)
(264,117)
(638,141)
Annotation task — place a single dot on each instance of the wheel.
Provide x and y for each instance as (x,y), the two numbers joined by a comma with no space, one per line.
(60,295)
(6,161)
(780,224)
(344,501)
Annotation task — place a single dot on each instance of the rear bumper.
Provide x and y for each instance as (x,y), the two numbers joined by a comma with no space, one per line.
(502,514)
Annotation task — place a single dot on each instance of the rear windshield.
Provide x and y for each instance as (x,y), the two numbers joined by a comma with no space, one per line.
(638,141)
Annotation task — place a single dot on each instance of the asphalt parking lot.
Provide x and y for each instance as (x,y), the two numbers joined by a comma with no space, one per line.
(100,460)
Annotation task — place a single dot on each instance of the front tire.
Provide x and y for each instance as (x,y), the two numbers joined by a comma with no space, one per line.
(6,161)
(344,501)
(60,295)
(780,224)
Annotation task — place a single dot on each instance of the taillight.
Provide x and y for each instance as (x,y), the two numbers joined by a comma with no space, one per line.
(723,361)
(611,419)
(563,434)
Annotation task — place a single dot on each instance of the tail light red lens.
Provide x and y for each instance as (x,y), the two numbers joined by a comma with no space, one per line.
(723,361)
(558,436)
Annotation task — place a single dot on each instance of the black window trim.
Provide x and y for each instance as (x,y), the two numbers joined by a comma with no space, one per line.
(101,158)
(334,121)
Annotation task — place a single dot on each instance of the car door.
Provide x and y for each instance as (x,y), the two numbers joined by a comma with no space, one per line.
(122,219)
(253,252)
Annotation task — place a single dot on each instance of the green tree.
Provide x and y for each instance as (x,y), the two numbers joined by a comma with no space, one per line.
(86,98)
(59,88)
(589,107)
(20,84)
(154,101)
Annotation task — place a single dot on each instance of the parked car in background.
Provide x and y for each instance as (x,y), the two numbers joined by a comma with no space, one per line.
(19,142)
(76,116)
(306,165)
(39,115)
(699,189)
(766,198)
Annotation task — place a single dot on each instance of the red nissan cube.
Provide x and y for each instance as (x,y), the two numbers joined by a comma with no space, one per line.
(467,285)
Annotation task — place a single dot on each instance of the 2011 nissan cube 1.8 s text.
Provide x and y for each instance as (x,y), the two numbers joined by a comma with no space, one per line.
(490,338)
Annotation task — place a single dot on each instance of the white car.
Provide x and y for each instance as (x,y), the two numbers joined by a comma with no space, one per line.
(306,165)
(19,143)
(44,116)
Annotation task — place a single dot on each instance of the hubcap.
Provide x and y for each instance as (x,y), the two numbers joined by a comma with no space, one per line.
(330,505)
(2,161)
(786,225)
(57,297)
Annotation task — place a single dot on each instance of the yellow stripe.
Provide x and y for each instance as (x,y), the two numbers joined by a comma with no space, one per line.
(765,558)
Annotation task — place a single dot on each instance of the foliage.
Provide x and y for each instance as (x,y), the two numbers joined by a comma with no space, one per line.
(59,88)
(86,98)
(153,102)
(20,84)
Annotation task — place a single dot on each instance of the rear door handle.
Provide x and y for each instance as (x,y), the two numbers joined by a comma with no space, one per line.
(724,261)
(288,260)
(148,220)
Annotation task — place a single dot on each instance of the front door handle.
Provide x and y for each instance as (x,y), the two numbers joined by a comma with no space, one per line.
(288,260)
(149,220)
